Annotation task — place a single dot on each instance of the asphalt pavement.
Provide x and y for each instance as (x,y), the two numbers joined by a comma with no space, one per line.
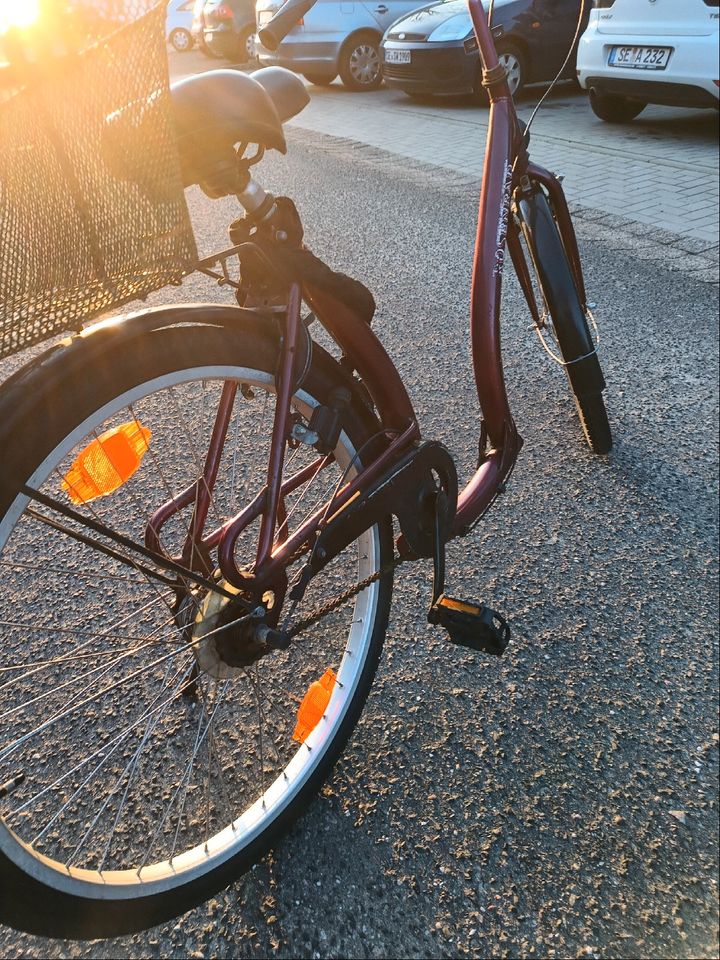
(562,801)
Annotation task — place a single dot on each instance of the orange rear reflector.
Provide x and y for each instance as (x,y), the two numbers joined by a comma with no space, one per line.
(107,463)
(314,705)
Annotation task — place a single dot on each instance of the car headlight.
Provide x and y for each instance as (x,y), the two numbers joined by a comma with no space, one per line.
(454,28)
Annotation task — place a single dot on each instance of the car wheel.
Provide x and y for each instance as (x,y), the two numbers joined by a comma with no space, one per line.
(318,80)
(513,61)
(246,45)
(614,109)
(359,65)
(181,40)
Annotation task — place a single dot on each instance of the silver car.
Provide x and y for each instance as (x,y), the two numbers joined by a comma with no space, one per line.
(334,38)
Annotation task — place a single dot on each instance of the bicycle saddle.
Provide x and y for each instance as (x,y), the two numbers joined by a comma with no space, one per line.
(220,108)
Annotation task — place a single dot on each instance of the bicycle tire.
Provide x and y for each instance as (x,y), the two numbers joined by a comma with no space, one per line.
(40,407)
(558,290)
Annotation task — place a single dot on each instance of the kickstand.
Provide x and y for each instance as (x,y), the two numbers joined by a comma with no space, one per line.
(440,523)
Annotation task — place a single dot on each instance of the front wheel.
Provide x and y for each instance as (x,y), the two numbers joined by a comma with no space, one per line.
(560,303)
(359,66)
(149,767)
(318,79)
(181,40)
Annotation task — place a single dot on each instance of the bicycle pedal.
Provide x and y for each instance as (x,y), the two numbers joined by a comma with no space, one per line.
(470,625)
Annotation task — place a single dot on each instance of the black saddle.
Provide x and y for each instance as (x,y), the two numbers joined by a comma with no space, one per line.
(212,112)
(218,109)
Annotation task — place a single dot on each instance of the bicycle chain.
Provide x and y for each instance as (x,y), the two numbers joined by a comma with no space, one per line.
(320,612)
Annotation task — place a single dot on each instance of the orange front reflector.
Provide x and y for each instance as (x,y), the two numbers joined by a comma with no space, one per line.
(314,705)
(107,463)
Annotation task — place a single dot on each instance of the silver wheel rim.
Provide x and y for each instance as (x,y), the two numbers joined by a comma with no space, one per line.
(514,70)
(156,875)
(365,64)
(181,41)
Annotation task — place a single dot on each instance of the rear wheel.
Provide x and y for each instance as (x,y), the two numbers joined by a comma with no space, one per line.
(513,60)
(359,65)
(614,109)
(318,79)
(181,40)
(150,768)
(246,45)
(559,297)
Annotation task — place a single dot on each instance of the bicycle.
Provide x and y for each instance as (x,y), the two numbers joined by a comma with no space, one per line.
(240,570)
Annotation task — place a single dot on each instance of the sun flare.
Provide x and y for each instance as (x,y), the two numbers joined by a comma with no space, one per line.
(18,13)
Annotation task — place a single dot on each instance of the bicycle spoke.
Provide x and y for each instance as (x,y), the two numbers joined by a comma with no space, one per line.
(83,677)
(113,686)
(260,736)
(169,492)
(198,462)
(184,783)
(95,575)
(108,634)
(118,741)
(132,764)
(187,773)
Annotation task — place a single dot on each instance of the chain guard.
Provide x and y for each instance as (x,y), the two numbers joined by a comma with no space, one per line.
(408,490)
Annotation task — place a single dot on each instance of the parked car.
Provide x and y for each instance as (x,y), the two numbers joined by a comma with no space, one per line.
(634,53)
(334,37)
(178,24)
(229,29)
(434,50)
(198,26)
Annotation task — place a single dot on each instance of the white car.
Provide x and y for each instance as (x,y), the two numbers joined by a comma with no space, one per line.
(178,24)
(636,52)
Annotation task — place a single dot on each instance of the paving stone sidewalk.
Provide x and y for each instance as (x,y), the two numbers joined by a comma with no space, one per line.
(660,172)
(676,253)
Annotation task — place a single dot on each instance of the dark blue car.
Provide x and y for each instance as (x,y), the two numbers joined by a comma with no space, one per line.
(434,50)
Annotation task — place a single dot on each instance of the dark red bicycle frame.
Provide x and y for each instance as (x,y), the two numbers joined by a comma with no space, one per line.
(506,167)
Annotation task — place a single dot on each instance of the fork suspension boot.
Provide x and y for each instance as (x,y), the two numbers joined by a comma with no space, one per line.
(468,624)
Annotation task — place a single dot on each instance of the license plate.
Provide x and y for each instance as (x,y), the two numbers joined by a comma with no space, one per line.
(397,56)
(640,58)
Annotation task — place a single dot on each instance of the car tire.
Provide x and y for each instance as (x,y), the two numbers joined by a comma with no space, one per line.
(359,66)
(181,40)
(210,52)
(318,79)
(512,58)
(245,46)
(614,109)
